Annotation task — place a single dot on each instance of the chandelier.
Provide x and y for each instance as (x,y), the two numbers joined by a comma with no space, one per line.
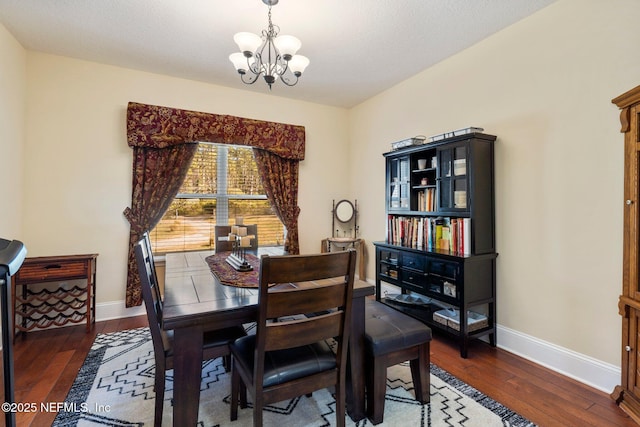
(271,55)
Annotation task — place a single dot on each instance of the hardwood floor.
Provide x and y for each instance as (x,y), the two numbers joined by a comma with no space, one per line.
(47,362)
(537,393)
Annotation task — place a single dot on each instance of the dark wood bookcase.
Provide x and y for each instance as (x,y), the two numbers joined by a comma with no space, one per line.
(438,262)
(627,394)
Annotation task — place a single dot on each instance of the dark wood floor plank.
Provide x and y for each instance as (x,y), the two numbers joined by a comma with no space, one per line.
(47,363)
(536,377)
(543,396)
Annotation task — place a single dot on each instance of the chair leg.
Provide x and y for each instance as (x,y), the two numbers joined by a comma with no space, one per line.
(243,395)
(235,390)
(258,404)
(340,404)
(226,362)
(375,393)
(420,374)
(159,389)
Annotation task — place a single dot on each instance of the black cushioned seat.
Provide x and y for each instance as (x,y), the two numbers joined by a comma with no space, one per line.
(281,366)
(388,329)
(393,337)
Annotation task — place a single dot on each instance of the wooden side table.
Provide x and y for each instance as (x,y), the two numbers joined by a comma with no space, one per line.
(46,308)
(344,242)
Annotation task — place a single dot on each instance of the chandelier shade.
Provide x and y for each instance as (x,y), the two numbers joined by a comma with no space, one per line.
(239,62)
(271,56)
(247,42)
(298,63)
(287,46)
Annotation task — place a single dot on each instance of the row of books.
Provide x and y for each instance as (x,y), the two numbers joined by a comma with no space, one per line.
(441,233)
(427,200)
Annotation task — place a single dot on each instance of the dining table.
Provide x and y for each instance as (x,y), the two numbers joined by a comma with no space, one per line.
(195,302)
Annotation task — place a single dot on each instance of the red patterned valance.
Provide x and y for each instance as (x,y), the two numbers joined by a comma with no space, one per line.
(160,127)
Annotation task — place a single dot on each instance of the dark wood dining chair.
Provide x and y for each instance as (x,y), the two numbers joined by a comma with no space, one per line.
(291,357)
(224,230)
(216,343)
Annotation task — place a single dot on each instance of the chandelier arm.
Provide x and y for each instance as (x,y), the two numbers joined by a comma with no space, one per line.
(285,67)
(274,65)
(249,80)
(265,66)
(259,66)
(255,67)
(284,80)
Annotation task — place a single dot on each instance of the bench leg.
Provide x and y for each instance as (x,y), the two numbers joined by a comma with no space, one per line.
(420,374)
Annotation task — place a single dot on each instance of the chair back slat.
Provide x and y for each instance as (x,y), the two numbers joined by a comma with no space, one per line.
(301,301)
(307,268)
(221,231)
(286,334)
(224,230)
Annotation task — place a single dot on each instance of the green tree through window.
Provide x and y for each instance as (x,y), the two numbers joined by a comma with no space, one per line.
(222,184)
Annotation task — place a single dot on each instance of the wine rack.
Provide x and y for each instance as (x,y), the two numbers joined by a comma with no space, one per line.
(46,307)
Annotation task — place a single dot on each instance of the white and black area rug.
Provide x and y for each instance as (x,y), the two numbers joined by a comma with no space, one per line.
(115,388)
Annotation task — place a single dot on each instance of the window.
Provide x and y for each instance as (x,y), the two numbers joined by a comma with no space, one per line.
(222,184)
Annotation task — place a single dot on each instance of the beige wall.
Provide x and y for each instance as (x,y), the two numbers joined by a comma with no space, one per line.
(544,87)
(78,167)
(12,104)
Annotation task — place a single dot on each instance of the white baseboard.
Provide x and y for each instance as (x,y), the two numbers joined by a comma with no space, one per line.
(592,372)
(117,310)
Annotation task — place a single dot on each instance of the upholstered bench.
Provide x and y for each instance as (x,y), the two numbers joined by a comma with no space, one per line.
(392,337)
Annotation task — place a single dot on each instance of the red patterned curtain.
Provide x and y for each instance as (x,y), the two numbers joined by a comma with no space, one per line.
(157,176)
(280,180)
(164,141)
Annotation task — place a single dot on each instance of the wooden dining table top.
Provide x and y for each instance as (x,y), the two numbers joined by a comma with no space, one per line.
(193,295)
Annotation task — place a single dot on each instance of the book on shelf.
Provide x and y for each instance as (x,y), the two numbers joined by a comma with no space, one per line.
(427,200)
(430,234)
(466,236)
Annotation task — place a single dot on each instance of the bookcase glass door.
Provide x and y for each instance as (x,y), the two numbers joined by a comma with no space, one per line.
(399,183)
(453,194)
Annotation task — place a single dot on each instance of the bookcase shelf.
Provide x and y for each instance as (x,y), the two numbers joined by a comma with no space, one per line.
(440,236)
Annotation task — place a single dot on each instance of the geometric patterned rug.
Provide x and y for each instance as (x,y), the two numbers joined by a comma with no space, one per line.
(115,388)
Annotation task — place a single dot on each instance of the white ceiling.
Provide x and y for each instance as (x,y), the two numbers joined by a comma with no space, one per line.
(357,48)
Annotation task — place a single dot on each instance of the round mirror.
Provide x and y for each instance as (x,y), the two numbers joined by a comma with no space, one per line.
(344,211)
